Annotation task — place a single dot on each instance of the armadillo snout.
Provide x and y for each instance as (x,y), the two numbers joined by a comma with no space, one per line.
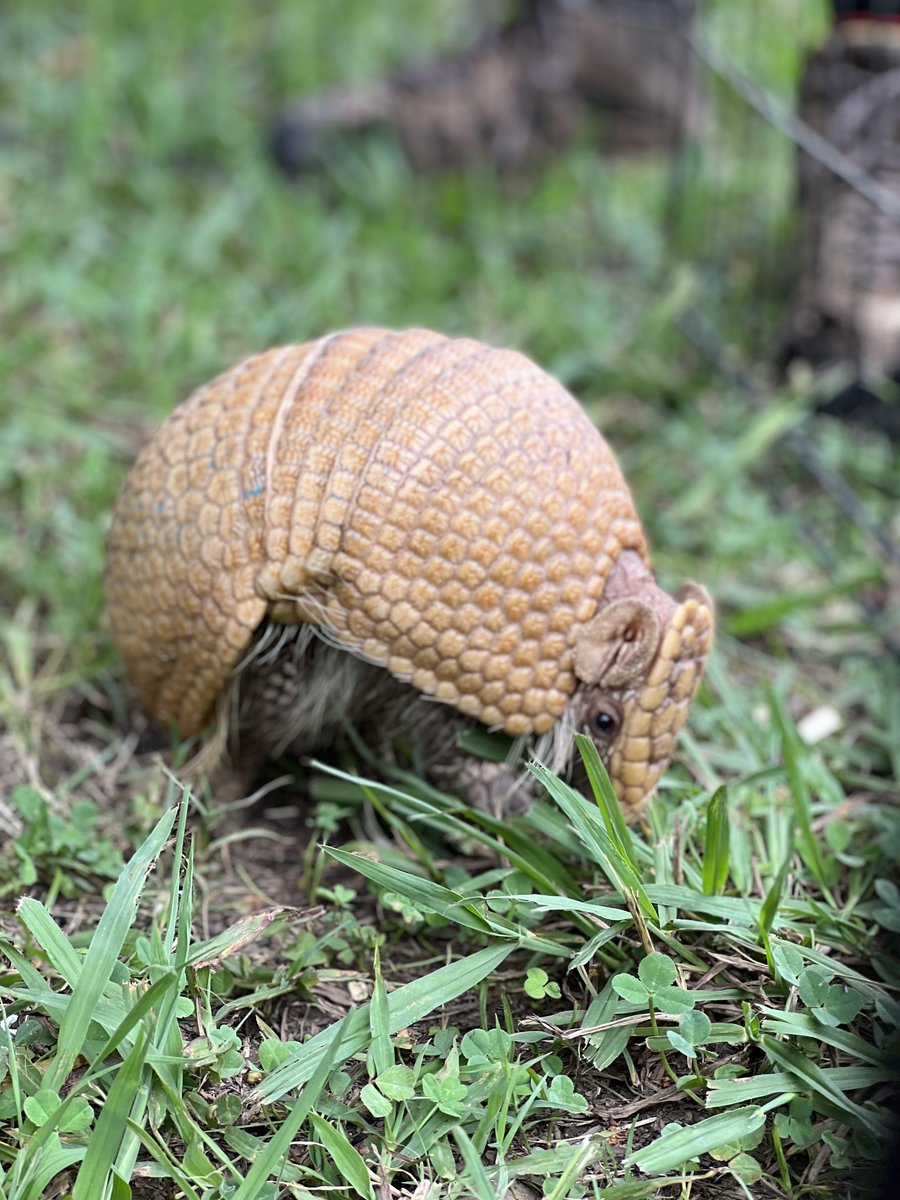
(654,711)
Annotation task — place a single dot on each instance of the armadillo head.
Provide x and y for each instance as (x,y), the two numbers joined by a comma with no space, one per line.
(639,662)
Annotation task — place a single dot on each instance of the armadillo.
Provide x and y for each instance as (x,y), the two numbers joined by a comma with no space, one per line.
(410,534)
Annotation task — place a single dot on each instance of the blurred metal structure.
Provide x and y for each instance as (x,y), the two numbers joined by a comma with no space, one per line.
(668,76)
(847,305)
(832,275)
(520,90)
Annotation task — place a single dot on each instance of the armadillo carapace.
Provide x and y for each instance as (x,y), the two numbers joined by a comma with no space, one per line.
(341,530)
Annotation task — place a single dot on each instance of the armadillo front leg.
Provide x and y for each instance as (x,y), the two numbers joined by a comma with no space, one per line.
(294,694)
(499,789)
(298,695)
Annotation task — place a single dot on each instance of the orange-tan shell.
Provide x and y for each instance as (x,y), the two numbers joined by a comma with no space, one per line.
(442,508)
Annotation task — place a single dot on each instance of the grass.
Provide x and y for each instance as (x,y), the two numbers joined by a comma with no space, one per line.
(385,990)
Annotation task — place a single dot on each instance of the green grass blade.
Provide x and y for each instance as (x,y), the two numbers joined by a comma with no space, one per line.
(604,1047)
(676,1147)
(478,1177)
(772,903)
(716,844)
(433,897)
(795,753)
(103,952)
(590,828)
(439,812)
(382,1050)
(243,932)
(740,910)
(159,1152)
(802,1025)
(48,935)
(55,1159)
(177,888)
(345,1157)
(793,1060)
(112,1124)
(98,1067)
(408,1004)
(722,1092)
(270,1160)
(108,1014)
(602,912)
(28,972)
(607,800)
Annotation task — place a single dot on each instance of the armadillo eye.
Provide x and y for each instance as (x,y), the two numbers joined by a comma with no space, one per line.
(606,722)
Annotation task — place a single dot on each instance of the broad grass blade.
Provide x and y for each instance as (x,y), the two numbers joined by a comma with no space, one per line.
(716,845)
(406,1005)
(103,952)
(676,1147)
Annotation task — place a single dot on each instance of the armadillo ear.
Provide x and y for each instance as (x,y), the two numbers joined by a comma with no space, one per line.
(693,591)
(618,644)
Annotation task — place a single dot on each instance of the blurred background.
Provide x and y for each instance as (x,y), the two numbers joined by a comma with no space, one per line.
(612,188)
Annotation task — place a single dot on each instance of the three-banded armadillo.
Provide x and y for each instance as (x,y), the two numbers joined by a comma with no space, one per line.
(344,530)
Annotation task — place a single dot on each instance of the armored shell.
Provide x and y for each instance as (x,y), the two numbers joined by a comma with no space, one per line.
(440,508)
